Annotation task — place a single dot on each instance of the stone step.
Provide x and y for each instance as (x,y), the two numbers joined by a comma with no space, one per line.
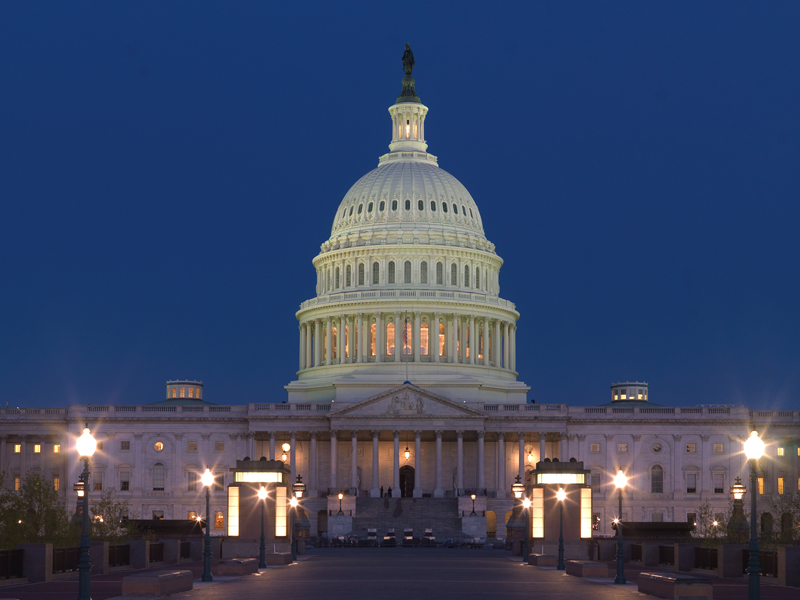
(382,514)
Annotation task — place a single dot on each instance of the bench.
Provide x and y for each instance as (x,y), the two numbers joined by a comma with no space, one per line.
(675,586)
(237,566)
(157,583)
(586,568)
(542,560)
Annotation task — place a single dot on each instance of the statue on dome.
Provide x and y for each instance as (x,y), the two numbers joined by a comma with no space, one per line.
(408,60)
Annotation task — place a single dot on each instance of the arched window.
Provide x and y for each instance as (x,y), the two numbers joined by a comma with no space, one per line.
(381,206)
(408,204)
(390,339)
(455,209)
(159,474)
(441,339)
(369,207)
(439,274)
(333,342)
(656,480)
(423,339)
(444,207)
(361,274)
(372,339)
(394,204)
(391,272)
(347,277)
(471,216)
(466,276)
(375,273)
(337,278)
(463,210)
(351,212)
(408,340)
(423,272)
(360,208)
(433,206)
(477,278)
(407,272)
(453,274)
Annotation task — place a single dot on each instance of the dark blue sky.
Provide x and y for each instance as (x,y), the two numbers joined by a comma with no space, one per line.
(168,171)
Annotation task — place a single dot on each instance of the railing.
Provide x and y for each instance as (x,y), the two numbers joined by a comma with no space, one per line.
(338,297)
(159,409)
(191,409)
(531,407)
(636,553)
(600,411)
(303,407)
(768,560)
(691,411)
(119,555)
(130,408)
(622,411)
(491,407)
(719,411)
(666,555)
(323,407)
(65,559)
(11,564)
(157,552)
(510,407)
(219,409)
(657,411)
(705,558)
(186,550)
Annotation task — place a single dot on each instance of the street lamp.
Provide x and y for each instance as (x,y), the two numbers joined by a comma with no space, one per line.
(262,549)
(293,503)
(560,495)
(298,488)
(518,489)
(86,445)
(473,513)
(753,450)
(340,513)
(620,481)
(526,505)
(285,447)
(207,479)
(737,526)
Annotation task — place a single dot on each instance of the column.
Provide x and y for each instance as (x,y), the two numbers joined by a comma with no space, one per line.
(417,464)
(501,465)
(398,341)
(452,348)
(486,348)
(251,445)
(542,445)
(610,470)
(473,348)
(334,483)
(317,343)
(498,361)
(309,347)
(272,445)
(435,337)
(705,471)
(364,338)
(416,343)
(562,448)
(111,467)
(354,460)
(481,465)
(506,362)
(521,438)
(360,346)
(312,466)
(375,492)
(329,341)
(513,347)
(380,347)
(292,461)
(302,347)
(438,492)
(396,463)
(340,341)
(460,472)
(462,338)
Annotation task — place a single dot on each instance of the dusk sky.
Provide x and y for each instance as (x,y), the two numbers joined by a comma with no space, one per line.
(168,172)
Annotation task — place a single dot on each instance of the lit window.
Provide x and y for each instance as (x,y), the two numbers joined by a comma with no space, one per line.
(192,485)
(423,272)
(98,481)
(159,446)
(586,513)
(408,340)
(390,339)
(537,513)
(691,483)
(56,448)
(780,451)
(191,515)
(407,272)
(124,482)
(372,342)
(780,485)
(760,485)
(16,483)
(182,393)
(691,448)
(17,448)
(219,446)
(423,339)
(622,447)
(37,449)
(391,272)
(718,448)
(56,483)
(441,339)
(623,394)
(191,392)
(125,445)
(280,512)
(594,447)
(640,395)
(158,477)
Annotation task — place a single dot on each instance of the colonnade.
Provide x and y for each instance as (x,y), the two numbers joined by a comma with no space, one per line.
(376,337)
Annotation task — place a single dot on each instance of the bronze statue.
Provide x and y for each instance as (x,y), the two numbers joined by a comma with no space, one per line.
(408,60)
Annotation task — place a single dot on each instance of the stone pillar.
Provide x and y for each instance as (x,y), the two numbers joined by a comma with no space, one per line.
(417,341)
(375,492)
(329,341)
(417,464)
(506,363)
(501,465)
(473,350)
(364,339)
(542,445)
(486,361)
(334,482)
(177,470)
(498,359)
(513,345)
(301,328)
(272,445)
(398,339)
(380,346)
(521,438)
(317,343)
(460,471)
(312,466)
(462,336)
(340,358)
(452,348)
(354,460)
(435,337)
(292,461)
(309,347)
(481,464)
(705,470)
(438,492)
(396,461)
(359,338)
(23,458)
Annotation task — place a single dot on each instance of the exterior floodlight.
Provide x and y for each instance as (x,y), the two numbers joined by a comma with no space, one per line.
(620,480)
(286,446)
(518,488)
(86,444)
(262,547)
(561,494)
(754,446)
(283,457)
(207,478)
(262,493)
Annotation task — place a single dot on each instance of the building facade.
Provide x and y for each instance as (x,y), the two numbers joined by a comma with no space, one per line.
(407,380)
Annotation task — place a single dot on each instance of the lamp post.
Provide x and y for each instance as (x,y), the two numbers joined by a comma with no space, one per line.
(737,526)
(560,495)
(518,489)
(340,513)
(262,548)
(86,446)
(473,513)
(298,488)
(753,449)
(207,479)
(620,481)
(526,505)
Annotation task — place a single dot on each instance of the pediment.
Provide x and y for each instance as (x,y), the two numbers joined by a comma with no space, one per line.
(407,401)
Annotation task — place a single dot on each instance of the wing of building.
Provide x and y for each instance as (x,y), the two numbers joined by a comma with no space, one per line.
(407,385)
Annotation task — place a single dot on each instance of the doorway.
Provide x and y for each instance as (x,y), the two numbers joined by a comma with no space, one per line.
(406,481)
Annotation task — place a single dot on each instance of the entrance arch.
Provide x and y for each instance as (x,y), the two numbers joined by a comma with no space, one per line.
(406,481)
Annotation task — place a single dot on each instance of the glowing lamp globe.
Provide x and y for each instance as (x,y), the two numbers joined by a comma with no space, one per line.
(754,446)
(620,480)
(293,501)
(473,496)
(207,478)
(738,490)
(530,457)
(518,488)
(86,444)
(286,447)
(561,494)
(407,454)
(341,495)
(262,493)
(526,503)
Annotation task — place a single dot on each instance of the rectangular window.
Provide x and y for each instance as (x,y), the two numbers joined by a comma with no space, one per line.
(622,447)
(537,512)
(125,445)
(192,486)
(158,478)
(219,482)
(182,393)
(56,448)
(691,518)
(691,448)
(191,446)
(233,511)
(124,482)
(191,515)
(595,480)
(98,482)
(280,512)
(719,483)
(657,517)
(191,392)
(219,446)
(780,451)
(691,483)
(37,449)
(56,483)
(219,520)
(586,513)
(760,485)
(594,447)
(718,448)
(780,485)
(17,448)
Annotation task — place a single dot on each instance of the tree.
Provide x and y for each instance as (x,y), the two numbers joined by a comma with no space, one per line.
(34,514)
(109,519)
(785,511)
(710,526)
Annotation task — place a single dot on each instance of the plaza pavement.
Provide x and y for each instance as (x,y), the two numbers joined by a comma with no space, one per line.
(395,574)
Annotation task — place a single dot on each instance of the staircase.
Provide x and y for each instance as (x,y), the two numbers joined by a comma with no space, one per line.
(439,514)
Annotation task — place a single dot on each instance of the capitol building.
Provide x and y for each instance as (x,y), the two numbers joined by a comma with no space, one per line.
(407,382)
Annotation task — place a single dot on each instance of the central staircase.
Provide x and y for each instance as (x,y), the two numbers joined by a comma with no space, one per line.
(438,514)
